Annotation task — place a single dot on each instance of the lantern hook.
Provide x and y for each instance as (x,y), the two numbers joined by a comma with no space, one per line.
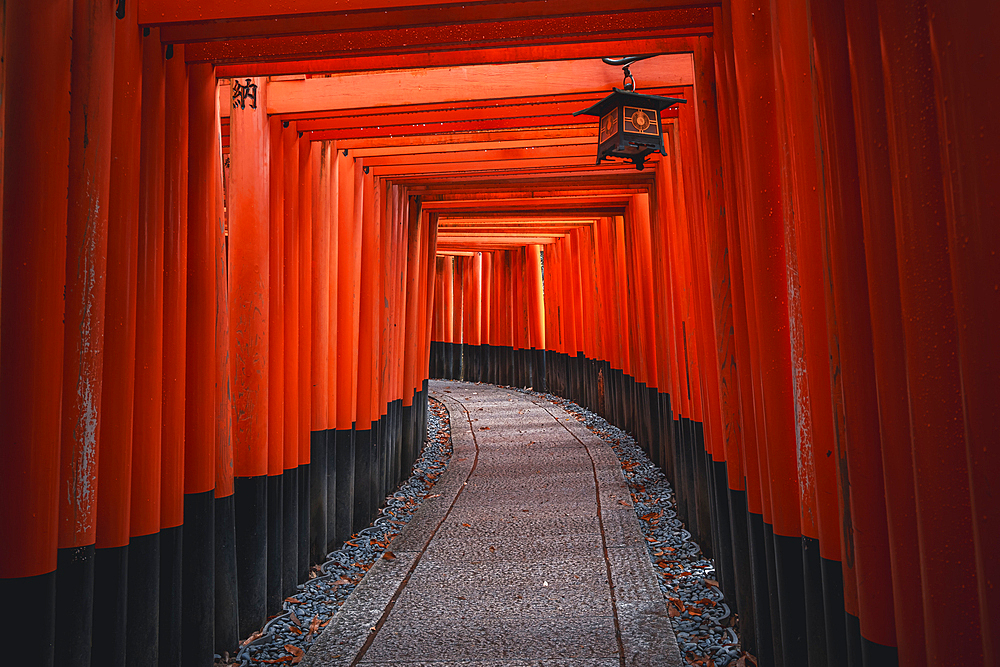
(628,83)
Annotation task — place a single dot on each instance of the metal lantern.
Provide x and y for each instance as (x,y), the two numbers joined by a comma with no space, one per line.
(630,125)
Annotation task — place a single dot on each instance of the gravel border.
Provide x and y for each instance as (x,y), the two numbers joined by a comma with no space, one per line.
(698,612)
(286,638)
(701,619)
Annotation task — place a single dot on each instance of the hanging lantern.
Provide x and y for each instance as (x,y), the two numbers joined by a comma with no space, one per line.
(630,125)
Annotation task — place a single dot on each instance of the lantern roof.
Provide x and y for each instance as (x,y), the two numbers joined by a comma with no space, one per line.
(618,97)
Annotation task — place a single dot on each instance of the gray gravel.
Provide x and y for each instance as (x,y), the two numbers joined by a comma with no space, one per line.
(698,611)
(285,638)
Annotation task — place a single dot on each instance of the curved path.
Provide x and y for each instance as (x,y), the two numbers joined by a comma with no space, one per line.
(527,553)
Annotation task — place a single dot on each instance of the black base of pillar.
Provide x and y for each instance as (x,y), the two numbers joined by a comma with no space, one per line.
(317,496)
(28,620)
(142,629)
(227,611)
(761,595)
(198,581)
(290,526)
(854,654)
(110,607)
(171,580)
(250,497)
(788,558)
(812,576)
(275,537)
(363,460)
(74,605)
(304,500)
(331,490)
(345,486)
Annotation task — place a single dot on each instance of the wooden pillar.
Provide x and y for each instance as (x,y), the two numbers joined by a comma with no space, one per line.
(86,270)
(962,46)
(174,350)
(202,360)
(36,131)
(144,528)
(249,205)
(290,441)
(276,396)
(331,193)
(320,383)
(940,464)
(348,316)
(302,440)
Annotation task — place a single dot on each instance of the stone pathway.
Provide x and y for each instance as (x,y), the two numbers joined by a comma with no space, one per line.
(527,553)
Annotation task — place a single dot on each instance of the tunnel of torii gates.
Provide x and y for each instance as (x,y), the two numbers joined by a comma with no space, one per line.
(238,237)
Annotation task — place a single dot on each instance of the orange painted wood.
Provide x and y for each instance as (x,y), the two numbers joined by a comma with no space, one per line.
(147,421)
(940,463)
(960,35)
(486,305)
(248,200)
(329,200)
(91,73)
(320,272)
(202,357)
(482,54)
(369,287)
(117,397)
(475,82)
(224,464)
(305,227)
(190,11)
(427,299)
(470,140)
(290,215)
(276,394)
(415,274)
(175,291)
(348,289)
(37,64)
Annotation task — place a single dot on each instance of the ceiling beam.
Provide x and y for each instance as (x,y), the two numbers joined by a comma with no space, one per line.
(477,82)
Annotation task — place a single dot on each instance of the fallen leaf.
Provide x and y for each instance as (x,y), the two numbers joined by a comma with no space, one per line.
(294,618)
(388,555)
(294,629)
(314,625)
(295,600)
(296,652)
(711,582)
(467,525)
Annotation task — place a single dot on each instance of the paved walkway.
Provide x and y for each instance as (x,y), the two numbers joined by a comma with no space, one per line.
(527,553)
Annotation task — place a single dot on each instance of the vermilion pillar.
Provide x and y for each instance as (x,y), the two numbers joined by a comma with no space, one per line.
(117,392)
(348,315)
(226,604)
(320,350)
(144,527)
(331,180)
(174,350)
(202,360)
(959,35)
(366,445)
(306,148)
(754,66)
(86,271)
(940,468)
(37,62)
(249,203)
(276,361)
(290,483)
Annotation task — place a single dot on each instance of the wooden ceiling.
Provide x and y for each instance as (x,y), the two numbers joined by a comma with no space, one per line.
(468,104)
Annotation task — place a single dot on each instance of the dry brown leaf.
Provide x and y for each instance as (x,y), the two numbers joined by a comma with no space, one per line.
(297,653)
(388,555)
(467,525)
(711,582)
(314,625)
(295,629)
(293,599)
(294,618)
